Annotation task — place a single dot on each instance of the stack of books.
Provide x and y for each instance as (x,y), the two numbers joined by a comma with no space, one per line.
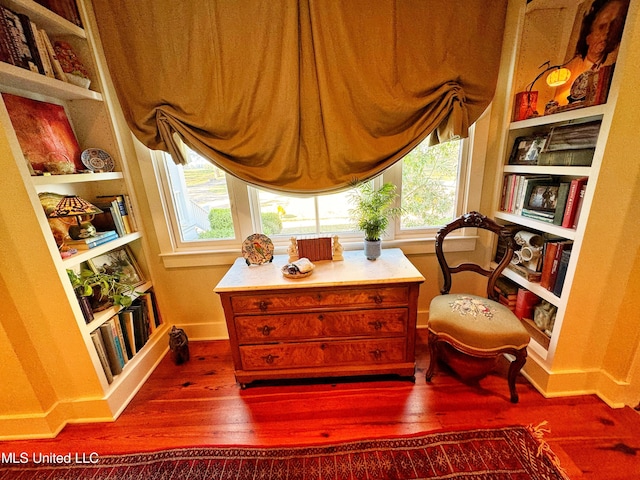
(507,291)
(91,242)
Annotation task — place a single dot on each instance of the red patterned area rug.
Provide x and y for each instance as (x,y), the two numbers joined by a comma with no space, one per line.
(505,454)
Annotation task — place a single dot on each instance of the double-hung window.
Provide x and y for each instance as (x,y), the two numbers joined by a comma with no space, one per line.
(209,210)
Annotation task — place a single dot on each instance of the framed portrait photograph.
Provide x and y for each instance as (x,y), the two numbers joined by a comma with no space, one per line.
(592,51)
(526,150)
(543,197)
(118,262)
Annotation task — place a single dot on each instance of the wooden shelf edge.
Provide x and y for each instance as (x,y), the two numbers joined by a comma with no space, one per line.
(23,80)
(581,114)
(85,255)
(45,18)
(536,333)
(565,171)
(567,233)
(531,286)
(43,180)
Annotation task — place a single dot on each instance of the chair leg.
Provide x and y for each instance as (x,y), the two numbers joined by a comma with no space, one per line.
(433,354)
(514,369)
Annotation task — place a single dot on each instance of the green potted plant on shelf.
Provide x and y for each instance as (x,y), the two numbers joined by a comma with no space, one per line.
(105,289)
(372,210)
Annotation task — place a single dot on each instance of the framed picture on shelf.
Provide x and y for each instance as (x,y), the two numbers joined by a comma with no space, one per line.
(46,137)
(526,150)
(121,262)
(592,53)
(543,197)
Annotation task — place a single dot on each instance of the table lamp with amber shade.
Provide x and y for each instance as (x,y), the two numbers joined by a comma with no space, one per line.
(74,206)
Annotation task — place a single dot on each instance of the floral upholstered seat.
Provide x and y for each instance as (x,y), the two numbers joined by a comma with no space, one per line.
(476,322)
(479,327)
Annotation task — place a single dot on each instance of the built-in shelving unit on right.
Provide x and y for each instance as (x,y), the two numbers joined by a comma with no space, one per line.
(547,190)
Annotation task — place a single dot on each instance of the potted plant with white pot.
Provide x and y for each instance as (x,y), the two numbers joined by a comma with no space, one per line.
(372,210)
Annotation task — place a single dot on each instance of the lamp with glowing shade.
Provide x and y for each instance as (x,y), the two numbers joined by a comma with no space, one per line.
(74,206)
(559,75)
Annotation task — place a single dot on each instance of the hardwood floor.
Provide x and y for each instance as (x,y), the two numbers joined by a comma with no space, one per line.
(199,403)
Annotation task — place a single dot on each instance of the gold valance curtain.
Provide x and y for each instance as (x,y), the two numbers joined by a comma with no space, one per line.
(301,95)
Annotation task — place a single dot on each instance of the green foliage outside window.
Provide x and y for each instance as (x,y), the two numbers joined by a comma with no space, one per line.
(429,180)
(221,224)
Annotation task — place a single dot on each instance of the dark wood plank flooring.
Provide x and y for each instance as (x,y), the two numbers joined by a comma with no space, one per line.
(199,403)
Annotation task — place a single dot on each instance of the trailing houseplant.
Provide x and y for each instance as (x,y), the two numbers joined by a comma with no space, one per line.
(107,289)
(372,210)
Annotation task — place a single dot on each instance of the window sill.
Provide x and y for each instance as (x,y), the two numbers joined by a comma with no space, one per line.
(226,257)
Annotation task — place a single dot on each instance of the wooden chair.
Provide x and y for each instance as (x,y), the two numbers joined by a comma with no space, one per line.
(476,326)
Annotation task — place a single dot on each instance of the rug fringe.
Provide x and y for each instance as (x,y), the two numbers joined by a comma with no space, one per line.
(538,432)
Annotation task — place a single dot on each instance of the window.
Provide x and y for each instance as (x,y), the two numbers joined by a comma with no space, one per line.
(430,185)
(280,214)
(210,210)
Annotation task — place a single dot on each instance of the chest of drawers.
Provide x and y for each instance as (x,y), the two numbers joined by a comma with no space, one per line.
(354,317)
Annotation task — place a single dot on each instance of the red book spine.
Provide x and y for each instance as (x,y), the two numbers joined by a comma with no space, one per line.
(554,266)
(525,301)
(579,207)
(572,201)
(547,264)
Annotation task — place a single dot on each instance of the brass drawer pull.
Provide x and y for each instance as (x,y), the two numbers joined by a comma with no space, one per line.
(377,325)
(377,353)
(270,358)
(266,330)
(263,305)
(377,298)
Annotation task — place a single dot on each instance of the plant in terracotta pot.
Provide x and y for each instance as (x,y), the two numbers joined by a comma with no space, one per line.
(372,210)
(105,289)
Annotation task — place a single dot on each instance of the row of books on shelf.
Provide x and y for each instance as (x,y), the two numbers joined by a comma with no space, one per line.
(118,339)
(544,259)
(26,45)
(116,220)
(544,198)
(526,305)
(551,269)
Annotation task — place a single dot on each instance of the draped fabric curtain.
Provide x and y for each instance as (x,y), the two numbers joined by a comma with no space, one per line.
(301,95)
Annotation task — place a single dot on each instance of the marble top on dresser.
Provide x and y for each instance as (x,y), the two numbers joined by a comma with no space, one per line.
(391,267)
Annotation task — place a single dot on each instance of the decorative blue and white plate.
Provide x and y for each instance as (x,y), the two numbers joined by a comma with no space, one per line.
(257,249)
(97,160)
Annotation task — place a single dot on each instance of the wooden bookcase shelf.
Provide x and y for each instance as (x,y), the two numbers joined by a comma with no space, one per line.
(530,46)
(95,125)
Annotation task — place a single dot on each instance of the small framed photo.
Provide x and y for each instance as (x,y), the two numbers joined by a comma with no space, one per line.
(543,197)
(121,262)
(526,150)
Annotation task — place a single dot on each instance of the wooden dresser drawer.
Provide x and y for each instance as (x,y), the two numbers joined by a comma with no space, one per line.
(316,354)
(273,328)
(370,297)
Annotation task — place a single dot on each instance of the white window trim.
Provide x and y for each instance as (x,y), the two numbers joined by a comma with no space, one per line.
(177,255)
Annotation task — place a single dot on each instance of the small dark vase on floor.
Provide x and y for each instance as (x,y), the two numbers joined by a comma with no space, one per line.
(179,345)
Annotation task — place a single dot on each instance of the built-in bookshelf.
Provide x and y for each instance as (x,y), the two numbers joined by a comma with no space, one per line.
(549,171)
(91,116)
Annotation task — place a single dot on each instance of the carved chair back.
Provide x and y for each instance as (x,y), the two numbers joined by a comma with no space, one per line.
(474,220)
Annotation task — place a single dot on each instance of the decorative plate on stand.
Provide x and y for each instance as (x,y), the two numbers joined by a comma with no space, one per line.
(257,249)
